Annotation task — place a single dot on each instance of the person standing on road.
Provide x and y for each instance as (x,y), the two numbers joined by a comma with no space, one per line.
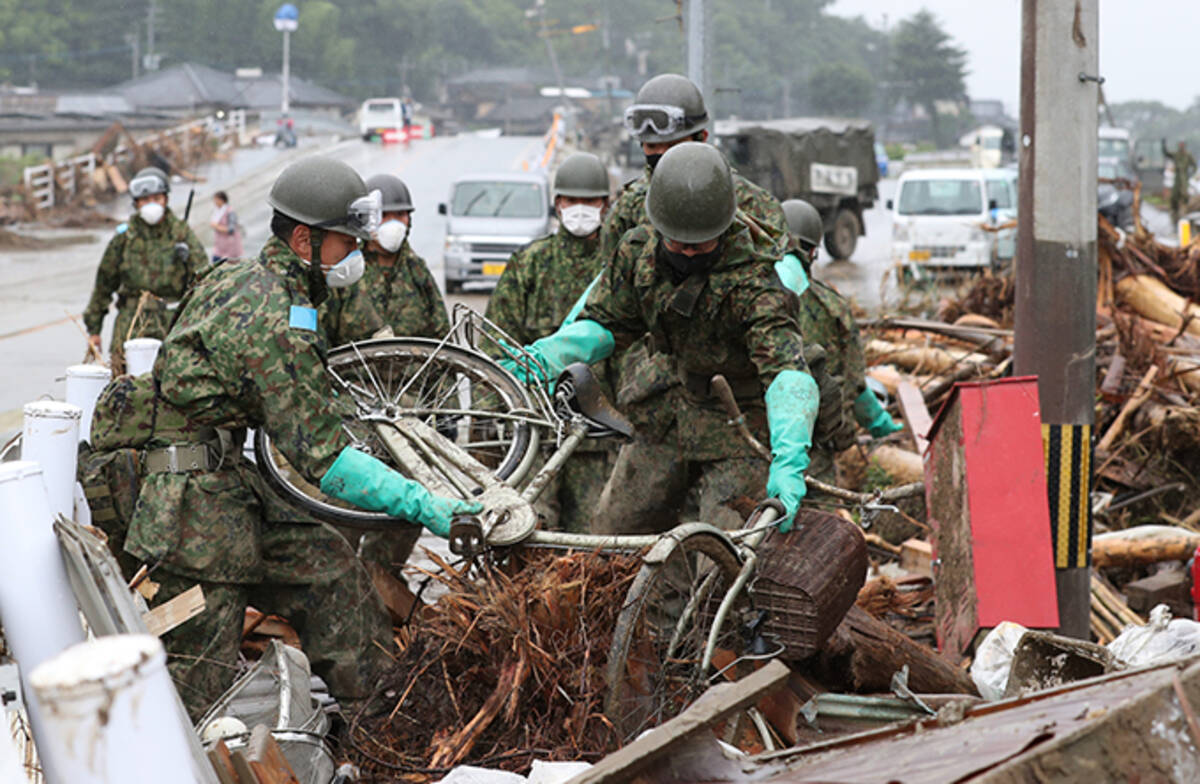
(1185,167)
(247,351)
(396,279)
(534,295)
(149,264)
(696,281)
(227,234)
(827,322)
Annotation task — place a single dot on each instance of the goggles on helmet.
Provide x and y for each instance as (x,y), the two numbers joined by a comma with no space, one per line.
(659,119)
(362,218)
(147,185)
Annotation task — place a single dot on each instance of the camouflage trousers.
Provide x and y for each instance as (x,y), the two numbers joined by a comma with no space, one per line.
(571,499)
(311,577)
(650,483)
(390,549)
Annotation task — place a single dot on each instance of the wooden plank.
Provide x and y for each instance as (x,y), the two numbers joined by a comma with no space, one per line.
(266,759)
(712,706)
(912,406)
(916,556)
(222,762)
(168,615)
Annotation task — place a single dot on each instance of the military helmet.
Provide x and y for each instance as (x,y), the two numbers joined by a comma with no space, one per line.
(803,220)
(669,107)
(691,197)
(327,194)
(149,181)
(581,176)
(394,192)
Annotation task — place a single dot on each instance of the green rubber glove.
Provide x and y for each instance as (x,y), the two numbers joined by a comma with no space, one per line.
(357,478)
(792,403)
(791,272)
(580,341)
(577,308)
(871,415)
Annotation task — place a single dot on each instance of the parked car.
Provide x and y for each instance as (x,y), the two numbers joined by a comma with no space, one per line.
(488,216)
(1114,200)
(948,218)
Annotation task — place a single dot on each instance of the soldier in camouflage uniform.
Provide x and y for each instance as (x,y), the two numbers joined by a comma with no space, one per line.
(396,279)
(153,254)
(826,321)
(702,288)
(670,110)
(247,351)
(533,297)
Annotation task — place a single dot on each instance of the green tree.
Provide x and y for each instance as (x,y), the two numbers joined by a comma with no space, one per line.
(841,89)
(927,67)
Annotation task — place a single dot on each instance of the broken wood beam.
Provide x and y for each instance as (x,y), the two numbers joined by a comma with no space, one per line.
(168,615)
(712,706)
(1140,552)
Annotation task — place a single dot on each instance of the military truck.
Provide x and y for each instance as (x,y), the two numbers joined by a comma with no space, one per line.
(828,162)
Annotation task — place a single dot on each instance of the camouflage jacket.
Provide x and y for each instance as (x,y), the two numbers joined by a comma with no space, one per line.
(141,257)
(247,351)
(541,283)
(741,323)
(760,211)
(348,315)
(826,320)
(406,296)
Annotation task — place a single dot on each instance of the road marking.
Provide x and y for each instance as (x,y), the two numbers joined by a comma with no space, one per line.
(29,330)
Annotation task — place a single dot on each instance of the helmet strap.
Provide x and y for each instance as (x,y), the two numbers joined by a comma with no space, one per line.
(318,289)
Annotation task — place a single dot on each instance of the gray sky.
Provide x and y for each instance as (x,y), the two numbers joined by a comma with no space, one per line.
(1147,47)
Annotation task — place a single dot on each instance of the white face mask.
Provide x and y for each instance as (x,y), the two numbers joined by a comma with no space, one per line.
(391,235)
(347,271)
(151,212)
(580,219)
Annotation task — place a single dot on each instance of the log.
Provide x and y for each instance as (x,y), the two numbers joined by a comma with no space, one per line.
(925,359)
(903,466)
(1151,298)
(1144,389)
(865,653)
(888,376)
(1139,552)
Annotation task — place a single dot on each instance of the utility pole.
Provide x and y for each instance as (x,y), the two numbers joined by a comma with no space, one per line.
(1056,272)
(134,40)
(545,33)
(695,43)
(151,58)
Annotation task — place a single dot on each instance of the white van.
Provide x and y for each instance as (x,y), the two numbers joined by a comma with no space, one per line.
(379,115)
(940,218)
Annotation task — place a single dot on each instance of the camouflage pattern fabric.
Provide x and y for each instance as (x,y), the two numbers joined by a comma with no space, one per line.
(349,315)
(111,481)
(141,258)
(217,377)
(405,294)
(310,576)
(247,350)
(742,325)
(540,284)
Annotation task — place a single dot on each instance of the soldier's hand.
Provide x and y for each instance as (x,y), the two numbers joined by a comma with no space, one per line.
(182,251)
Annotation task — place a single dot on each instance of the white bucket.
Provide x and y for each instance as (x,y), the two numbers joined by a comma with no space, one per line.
(112,714)
(84,385)
(51,438)
(140,354)
(37,607)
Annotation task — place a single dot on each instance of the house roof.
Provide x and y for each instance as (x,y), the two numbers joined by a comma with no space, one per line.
(187,85)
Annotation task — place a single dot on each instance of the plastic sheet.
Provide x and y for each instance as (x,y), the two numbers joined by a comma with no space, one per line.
(1163,640)
(994,658)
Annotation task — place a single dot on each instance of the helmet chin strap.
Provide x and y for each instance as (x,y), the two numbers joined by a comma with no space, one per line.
(318,289)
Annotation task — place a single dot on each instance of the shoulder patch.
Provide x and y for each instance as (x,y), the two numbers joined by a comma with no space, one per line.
(301,317)
(122,228)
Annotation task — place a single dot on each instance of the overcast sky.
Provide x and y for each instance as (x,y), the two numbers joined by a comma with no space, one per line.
(1148,48)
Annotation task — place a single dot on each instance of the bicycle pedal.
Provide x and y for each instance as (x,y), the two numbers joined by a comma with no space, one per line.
(466,536)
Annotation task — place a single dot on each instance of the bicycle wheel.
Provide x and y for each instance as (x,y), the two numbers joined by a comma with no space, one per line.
(658,643)
(466,396)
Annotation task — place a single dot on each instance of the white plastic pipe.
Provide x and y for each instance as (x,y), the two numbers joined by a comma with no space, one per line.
(37,608)
(140,354)
(110,709)
(84,385)
(51,438)
(10,760)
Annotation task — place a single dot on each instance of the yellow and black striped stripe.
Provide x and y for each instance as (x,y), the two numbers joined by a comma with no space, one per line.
(1068,452)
